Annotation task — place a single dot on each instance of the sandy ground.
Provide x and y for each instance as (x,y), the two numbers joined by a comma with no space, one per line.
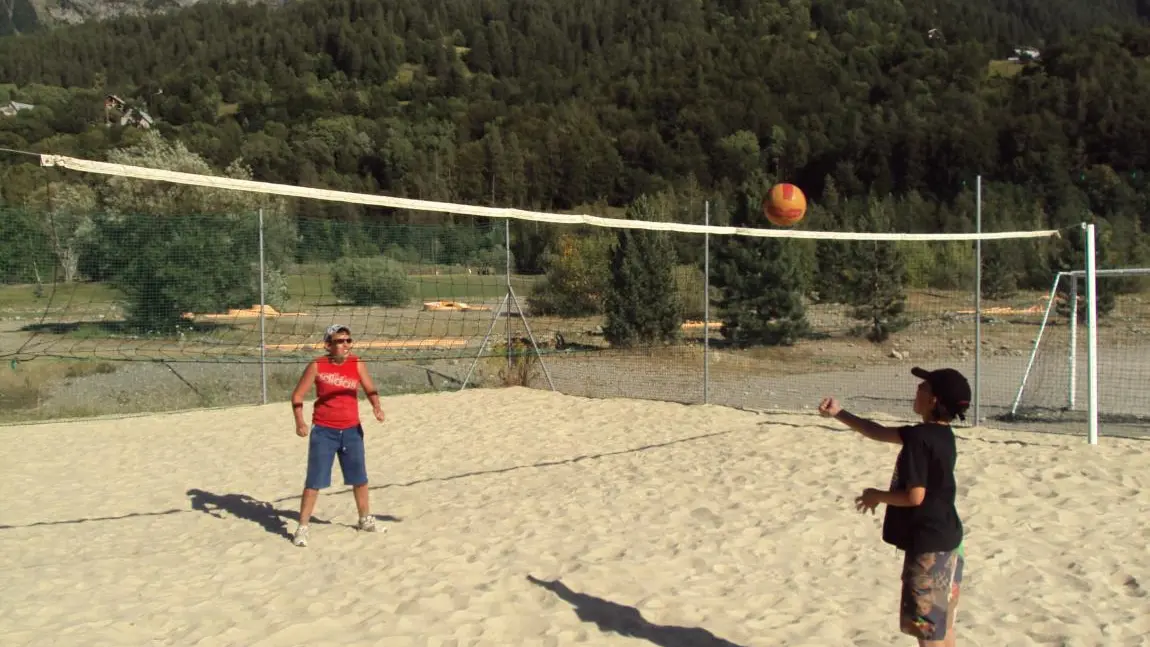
(524,517)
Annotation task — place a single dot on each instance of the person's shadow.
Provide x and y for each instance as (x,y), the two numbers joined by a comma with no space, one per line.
(242,506)
(262,513)
(627,621)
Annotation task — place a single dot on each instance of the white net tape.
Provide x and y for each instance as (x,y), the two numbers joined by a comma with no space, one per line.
(160,175)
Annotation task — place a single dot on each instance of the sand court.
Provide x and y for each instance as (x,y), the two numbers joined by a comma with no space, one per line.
(524,517)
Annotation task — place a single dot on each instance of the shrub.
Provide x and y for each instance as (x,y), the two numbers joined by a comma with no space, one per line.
(275,286)
(373,280)
(578,273)
(689,282)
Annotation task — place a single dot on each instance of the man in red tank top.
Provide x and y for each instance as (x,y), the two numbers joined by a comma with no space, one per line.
(335,429)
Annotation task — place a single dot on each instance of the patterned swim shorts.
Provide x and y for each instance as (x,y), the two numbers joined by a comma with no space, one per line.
(930,584)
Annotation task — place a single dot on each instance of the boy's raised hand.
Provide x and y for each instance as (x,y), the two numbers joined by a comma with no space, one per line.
(829,407)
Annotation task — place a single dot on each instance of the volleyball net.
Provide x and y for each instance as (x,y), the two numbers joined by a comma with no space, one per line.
(690,298)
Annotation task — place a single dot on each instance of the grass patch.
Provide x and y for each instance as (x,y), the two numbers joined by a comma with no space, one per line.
(311,286)
(522,369)
(61,296)
(1004,68)
(119,329)
(308,286)
(23,388)
(84,369)
(463,287)
(406,73)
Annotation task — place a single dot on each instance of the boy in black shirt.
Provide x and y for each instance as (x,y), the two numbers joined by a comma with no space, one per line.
(921,518)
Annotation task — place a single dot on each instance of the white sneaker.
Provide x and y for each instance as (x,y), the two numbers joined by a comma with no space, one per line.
(367,524)
(300,536)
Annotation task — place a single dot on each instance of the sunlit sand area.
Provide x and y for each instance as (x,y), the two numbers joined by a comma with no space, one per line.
(524,517)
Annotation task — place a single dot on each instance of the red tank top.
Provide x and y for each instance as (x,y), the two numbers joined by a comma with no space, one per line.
(336,393)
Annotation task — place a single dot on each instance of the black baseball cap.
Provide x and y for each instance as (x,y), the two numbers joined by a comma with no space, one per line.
(949,386)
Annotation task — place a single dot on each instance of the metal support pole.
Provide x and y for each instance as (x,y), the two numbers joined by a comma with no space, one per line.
(1073,388)
(978,304)
(263,329)
(505,306)
(507,277)
(486,337)
(706,304)
(531,336)
(1091,336)
(1037,341)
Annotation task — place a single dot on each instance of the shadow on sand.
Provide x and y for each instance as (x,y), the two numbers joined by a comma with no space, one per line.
(627,621)
(262,513)
(242,506)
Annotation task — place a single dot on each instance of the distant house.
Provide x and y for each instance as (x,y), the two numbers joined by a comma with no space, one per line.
(137,118)
(116,108)
(12,107)
(112,102)
(1025,54)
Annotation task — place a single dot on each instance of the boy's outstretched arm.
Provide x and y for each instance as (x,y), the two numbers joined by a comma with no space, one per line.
(830,408)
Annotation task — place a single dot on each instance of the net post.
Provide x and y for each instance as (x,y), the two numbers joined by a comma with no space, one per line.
(263,315)
(507,273)
(1091,336)
(706,304)
(1037,342)
(509,298)
(531,336)
(483,344)
(512,298)
(978,303)
(1073,350)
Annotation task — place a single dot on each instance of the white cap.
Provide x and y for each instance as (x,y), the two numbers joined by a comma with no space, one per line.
(333,329)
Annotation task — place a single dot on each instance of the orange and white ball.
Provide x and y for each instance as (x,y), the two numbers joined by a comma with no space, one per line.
(785,205)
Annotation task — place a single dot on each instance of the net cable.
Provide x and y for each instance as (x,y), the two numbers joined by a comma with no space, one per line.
(217,182)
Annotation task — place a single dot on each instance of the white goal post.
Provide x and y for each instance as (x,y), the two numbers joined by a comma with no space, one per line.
(1090,275)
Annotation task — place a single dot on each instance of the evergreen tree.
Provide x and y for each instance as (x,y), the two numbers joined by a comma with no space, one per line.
(833,262)
(999,270)
(642,303)
(878,294)
(832,257)
(759,282)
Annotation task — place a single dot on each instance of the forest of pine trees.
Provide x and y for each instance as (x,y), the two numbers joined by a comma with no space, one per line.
(883,112)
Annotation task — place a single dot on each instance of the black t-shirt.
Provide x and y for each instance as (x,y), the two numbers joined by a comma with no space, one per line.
(926,459)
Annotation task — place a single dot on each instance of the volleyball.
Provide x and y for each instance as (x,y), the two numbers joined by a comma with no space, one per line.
(785,205)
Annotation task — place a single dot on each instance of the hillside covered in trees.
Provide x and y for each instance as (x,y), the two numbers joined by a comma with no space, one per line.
(26,16)
(884,112)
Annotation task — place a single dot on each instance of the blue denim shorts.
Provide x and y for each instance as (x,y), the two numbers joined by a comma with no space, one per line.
(325,445)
